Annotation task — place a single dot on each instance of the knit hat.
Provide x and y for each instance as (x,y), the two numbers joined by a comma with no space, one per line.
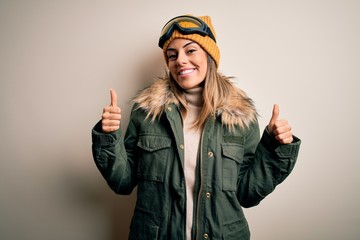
(206,42)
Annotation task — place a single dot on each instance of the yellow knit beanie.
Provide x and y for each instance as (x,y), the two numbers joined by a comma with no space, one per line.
(206,42)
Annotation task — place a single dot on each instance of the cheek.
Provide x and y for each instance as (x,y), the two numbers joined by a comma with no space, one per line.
(173,74)
(204,67)
(203,59)
(171,67)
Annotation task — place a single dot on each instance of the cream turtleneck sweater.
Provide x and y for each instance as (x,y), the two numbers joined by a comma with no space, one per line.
(191,141)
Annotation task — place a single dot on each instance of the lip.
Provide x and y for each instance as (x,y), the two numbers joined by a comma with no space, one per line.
(185,71)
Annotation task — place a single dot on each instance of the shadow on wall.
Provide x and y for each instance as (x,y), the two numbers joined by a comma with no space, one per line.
(120,208)
(149,69)
(146,71)
(121,215)
(108,210)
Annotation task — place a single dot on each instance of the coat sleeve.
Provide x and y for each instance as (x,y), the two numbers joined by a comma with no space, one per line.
(266,164)
(116,163)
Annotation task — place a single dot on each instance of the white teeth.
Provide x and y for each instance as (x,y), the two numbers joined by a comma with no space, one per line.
(186,71)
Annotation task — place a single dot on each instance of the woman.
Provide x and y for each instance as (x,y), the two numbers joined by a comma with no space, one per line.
(192,146)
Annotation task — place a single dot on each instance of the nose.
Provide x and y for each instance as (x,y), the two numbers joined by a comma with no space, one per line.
(181,58)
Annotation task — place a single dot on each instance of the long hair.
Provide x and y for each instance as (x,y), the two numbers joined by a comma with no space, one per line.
(216,90)
(220,99)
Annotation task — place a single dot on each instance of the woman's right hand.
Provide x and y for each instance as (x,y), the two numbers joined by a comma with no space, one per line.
(110,120)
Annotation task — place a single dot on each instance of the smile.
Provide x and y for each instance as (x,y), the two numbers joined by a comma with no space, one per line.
(186,71)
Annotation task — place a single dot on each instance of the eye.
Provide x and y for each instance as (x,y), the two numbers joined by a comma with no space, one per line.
(172,57)
(191,51)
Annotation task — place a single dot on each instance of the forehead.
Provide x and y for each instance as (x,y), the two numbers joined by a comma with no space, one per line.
(178,43)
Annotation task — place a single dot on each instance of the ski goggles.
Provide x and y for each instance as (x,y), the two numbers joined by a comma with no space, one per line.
(196,26)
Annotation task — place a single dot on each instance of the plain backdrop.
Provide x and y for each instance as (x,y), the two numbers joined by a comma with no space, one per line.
(58,60)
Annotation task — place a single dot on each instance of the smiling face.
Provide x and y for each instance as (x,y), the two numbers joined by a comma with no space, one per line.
(187,63)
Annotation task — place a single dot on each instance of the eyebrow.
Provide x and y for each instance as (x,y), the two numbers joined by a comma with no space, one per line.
(187,44)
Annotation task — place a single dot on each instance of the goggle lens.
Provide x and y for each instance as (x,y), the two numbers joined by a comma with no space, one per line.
(186,25)
(184,22)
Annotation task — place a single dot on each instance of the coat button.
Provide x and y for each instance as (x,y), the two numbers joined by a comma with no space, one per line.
(208,195)
(206,236)
(182,146)
(169,109)
(210,154)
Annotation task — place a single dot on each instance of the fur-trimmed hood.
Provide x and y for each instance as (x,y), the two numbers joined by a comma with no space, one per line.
(237,110)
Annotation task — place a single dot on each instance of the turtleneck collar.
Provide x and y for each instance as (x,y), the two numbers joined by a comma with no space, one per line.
(194,96)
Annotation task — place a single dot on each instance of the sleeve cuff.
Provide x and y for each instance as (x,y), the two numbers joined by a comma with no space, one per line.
(101,138)
(282,150)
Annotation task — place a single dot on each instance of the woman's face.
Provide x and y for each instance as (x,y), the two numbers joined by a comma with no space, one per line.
(187,63)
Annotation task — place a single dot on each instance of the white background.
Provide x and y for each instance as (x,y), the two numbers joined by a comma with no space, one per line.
(58,60)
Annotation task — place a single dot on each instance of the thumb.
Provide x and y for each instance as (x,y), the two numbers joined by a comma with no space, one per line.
(113,97)
(274,117)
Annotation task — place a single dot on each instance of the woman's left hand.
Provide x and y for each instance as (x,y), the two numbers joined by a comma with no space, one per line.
(280,128)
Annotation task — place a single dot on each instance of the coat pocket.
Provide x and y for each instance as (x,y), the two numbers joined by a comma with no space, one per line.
(232,157)
(238,229)
(153,157)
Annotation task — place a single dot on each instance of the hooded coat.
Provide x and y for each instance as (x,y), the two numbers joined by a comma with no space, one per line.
(235,167)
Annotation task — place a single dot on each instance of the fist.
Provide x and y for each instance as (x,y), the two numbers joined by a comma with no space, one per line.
(110,119)
(280,128)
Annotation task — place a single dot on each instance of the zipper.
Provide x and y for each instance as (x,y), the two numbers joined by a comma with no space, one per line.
(200,188)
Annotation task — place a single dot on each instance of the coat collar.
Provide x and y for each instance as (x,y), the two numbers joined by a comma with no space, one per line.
(237,110)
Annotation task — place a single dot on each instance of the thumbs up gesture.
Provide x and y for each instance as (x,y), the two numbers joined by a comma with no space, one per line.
(280,128)
(111,116)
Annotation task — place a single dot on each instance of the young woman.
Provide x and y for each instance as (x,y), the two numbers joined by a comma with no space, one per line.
(192,146)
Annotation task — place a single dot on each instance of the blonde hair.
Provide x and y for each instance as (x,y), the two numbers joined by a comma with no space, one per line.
(216,90)
(220,99)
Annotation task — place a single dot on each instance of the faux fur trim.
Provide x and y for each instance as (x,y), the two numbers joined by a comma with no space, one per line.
(236,110)
(155,98)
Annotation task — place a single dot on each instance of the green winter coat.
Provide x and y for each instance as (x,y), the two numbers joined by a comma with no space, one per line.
(235,167)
